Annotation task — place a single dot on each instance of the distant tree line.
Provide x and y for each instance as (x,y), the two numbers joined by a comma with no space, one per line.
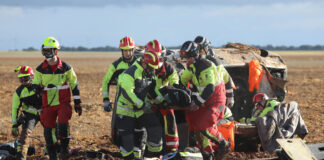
(267,47)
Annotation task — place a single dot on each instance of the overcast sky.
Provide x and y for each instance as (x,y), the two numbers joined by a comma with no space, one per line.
(94,23)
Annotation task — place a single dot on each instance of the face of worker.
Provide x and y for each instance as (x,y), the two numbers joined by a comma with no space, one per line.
(149,71)
(128,54)
(260,105)
(25,81)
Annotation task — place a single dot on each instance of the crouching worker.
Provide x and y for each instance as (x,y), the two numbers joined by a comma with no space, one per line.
(30,101)
(277,120)
(262,105)
(136,92)
(166,76)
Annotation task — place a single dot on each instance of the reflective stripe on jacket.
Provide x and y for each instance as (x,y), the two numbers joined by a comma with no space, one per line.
(205,77)
(26,98)
(269,106)
(133,88)
(58,84)
(115,69)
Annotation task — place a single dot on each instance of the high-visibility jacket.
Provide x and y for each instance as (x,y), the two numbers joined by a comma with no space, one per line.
(229,85)
(57,84)
(26,98)
(166,75)
(269,106)
(133,90)
(205,77)
(115,69)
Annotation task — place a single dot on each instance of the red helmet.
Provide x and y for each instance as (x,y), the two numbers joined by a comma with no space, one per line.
(127,43)
(258,97)
(151,59)
(24,71)
(154,46)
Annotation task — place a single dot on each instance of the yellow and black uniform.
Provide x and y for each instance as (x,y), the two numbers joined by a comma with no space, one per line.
(136,91)
(115,69)
(269,106)
(209,94)
(58,81)
(30,103)
(167,75)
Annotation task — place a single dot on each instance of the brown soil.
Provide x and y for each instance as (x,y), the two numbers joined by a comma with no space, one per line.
(91,130)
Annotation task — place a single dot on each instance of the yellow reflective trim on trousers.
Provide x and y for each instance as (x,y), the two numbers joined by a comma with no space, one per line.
(189,154)
(126,154)
(166,128)
(54,136)
(154,149)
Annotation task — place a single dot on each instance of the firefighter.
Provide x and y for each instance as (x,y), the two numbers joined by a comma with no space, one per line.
(208,100)
(127,46)
(207,52)
(166,75)
(58,79)
(136,92)
(30,101)
(262,105)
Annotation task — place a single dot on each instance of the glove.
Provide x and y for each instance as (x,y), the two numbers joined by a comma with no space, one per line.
(78,109)
(107,106)
(193,107)
(243,120)
(229,102)
(15,131)
(147,108)
(37,88)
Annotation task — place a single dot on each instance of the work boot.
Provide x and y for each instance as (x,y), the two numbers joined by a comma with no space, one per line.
(64,149)
(51,150)
(22,147)
(223,148)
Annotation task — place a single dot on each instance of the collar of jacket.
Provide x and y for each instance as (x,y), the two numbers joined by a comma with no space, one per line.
(59,64)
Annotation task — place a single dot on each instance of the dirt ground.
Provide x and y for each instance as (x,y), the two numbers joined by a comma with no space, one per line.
(91,130)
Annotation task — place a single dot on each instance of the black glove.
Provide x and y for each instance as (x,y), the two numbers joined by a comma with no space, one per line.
(78,109)
(107,106)
(37,88)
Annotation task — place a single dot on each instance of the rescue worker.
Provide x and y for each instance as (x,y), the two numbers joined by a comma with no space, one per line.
(166,75)
(136,92)
(127,46)
(262,105)
(57,79)
(207,52)
(208,99)
(26,98)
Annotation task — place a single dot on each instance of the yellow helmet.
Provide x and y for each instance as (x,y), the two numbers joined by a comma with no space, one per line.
(50,43)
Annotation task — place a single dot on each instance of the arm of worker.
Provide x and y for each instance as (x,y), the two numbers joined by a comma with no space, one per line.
(105,82)
(127,86)
(206,87)
(74,84)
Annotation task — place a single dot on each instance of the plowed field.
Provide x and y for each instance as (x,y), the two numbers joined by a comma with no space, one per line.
(91,130)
